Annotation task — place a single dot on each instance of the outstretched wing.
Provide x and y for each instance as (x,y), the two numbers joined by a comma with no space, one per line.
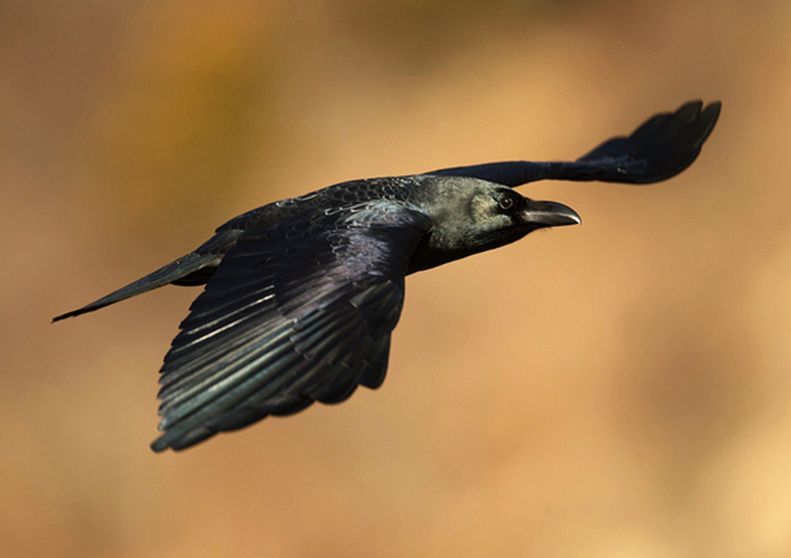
(663,146)
(297,312)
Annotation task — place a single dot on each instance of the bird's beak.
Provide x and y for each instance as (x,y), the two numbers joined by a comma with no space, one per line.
(548,214)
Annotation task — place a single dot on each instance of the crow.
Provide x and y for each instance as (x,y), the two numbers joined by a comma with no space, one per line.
(301,295)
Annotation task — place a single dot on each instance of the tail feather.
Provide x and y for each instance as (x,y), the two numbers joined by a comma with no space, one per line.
(170,273)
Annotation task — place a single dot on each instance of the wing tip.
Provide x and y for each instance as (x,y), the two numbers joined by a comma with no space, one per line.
(692,106)
(182,440)
(159,445)
(709,117)
(695,121)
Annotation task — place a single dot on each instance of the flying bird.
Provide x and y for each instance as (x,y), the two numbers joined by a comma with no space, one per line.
(301,295)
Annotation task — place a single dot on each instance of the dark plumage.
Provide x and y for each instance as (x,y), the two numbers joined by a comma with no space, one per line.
(302,294)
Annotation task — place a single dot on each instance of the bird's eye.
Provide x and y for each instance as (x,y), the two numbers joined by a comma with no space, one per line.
(506,202)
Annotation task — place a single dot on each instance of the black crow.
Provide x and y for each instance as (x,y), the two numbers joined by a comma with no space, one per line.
(302,294)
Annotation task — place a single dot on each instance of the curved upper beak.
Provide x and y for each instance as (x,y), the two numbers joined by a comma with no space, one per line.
(548,214)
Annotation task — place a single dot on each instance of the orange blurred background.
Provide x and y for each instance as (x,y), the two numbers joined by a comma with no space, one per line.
(616,389)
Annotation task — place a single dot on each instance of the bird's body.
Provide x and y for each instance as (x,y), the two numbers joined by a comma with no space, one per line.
(302,294)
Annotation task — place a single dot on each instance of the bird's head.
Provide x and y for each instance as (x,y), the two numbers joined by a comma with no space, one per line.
(471,216)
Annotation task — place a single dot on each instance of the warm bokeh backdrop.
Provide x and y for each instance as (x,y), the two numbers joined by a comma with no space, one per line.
(622,388)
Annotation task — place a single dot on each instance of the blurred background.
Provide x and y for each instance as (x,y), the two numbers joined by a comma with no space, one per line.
(616,389)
